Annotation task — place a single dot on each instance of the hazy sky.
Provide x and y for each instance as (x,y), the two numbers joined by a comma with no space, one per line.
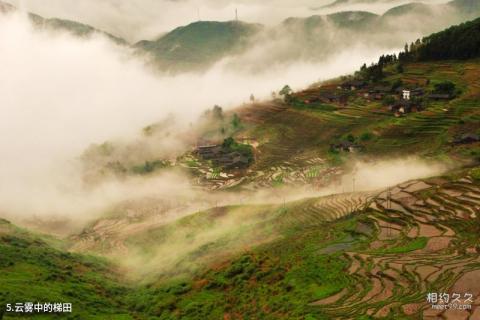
(145,19)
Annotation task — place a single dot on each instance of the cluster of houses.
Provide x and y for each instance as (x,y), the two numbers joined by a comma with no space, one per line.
(223,157)
(406,103)
(407,98)
(353,85)
(467,138)
(326,95)
(409,101)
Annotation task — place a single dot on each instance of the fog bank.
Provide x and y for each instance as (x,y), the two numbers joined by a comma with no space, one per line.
(59,94)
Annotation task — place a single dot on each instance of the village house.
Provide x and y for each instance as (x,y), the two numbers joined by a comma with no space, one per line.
(378,93)
(346,146)
(239,162)
(440,96)
(402,107)
(222,157)
(417,92)
(407,94)
(467,138)
(210,152)
(353,85)
(328,97)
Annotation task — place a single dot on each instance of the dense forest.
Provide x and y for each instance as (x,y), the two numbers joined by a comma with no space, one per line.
(459,42)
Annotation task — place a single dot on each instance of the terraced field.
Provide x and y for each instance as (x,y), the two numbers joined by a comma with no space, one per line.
(210,235)
(348,256)
(315,212)
(425,242)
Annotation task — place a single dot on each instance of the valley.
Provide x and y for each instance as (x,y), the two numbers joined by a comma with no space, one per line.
(356,197)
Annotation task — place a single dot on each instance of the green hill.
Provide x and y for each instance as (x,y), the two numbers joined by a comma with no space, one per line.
(339,3)
(347,19)
(410,8)
(200,44)
(36,268)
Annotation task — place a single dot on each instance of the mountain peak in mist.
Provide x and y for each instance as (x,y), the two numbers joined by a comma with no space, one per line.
(338,3)
(409,8)
(73,27)
(200,43)
(6,7)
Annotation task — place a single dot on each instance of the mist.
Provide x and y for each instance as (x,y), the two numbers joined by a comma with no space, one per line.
(59,94)
(240,220)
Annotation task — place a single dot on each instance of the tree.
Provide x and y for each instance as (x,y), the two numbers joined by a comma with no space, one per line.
(397,84)
(217,112)
(446,87)
(286,91)
(399,67)
(228,143)
(388,100)
(236,121)
(252,98)
(366,136)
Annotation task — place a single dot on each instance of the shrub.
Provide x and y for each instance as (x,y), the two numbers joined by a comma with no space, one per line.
(447,87)
(475,173)
(388,100)
(366,136)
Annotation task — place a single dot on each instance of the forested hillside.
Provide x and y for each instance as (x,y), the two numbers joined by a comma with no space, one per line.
(458,42)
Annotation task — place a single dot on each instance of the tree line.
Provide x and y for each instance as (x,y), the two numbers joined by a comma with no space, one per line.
(459,42)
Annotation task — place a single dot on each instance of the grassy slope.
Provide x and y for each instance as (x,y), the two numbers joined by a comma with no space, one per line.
(34,270)
(200,43)
(286,278)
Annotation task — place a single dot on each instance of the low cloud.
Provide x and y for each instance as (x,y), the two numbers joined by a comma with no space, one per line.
(59,94)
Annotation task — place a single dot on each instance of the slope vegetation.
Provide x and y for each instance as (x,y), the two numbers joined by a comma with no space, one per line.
(200,43)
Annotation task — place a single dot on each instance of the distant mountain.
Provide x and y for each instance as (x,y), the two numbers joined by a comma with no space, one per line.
(199,44)
(76,28)
(410,8)
(469,8)
(320,36)
(423,18)
(346,19)
(6,7)
(340,3)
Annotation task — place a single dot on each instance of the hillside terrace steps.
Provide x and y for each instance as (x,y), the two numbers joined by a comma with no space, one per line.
(404,279)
